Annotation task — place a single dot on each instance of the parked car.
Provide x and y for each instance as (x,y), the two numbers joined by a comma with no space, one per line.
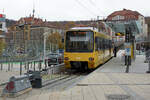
(60,51)
(54,59)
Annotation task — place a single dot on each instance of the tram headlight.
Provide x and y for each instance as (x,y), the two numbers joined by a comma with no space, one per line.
(91,59)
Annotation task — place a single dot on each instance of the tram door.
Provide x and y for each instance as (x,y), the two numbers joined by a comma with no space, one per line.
(110,46)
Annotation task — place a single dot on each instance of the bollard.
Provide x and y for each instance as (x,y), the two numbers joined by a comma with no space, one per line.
(1,66)
(40,66)
(45,64)
(31,64)
(11,65)
(52,71)
(8,66)
(149,66)
(20,68)
(34,65)
(27,66)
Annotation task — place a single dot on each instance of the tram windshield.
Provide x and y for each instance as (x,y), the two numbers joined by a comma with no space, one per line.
(79,41)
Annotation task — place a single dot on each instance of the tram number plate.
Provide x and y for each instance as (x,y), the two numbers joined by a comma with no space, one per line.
(78,58)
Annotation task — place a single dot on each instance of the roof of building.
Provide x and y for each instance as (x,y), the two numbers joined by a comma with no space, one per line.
(129,14)
(30,20)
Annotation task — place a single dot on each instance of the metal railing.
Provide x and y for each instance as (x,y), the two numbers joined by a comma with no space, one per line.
(147,59)
(147,55)
(35,70)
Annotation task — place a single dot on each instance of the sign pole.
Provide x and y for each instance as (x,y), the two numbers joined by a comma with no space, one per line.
(148,67)
(127,48)
(148,59)
(127,68)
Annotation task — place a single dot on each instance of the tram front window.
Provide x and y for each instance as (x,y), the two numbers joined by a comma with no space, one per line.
(79,41)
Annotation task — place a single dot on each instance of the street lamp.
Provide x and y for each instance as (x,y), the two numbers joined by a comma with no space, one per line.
(45,38)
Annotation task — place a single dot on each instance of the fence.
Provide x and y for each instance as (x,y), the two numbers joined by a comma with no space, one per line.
(147,55)
(9,69)
(47,76)
(47,73)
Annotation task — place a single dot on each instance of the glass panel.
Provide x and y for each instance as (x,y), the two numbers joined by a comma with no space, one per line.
(79,41)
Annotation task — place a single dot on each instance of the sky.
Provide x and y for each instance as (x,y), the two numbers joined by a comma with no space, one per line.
(70,10)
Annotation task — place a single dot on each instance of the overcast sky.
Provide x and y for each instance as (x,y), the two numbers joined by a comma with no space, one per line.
(60,10)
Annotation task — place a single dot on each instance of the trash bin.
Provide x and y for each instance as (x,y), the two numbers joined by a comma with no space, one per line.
(36,79)
(38,83)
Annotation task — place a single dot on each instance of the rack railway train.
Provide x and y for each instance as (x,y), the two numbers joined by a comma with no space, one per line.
(86,48)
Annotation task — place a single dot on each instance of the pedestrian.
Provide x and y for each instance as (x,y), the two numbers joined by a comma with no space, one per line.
(115,51)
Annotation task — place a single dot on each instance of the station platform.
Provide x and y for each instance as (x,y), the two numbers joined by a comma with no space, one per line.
(109,82)
(103,86)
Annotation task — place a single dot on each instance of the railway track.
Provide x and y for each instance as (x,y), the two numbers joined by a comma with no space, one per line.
(59,85)
(70,76)
(67,80)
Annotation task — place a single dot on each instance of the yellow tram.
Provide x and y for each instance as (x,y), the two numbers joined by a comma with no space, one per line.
(86,48)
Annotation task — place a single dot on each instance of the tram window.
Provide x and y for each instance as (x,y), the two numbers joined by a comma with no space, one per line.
(103,44)
(110,44)
(96,43)
(98,40)
(106,44)
(79,41)
(100,44)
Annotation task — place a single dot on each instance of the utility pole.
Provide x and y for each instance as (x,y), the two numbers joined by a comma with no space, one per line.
(98,23)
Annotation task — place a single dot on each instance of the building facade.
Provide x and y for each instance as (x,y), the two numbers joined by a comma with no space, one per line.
(27,36)
(118,19)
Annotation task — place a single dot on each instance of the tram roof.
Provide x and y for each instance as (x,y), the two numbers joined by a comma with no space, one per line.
(84,28)
(89,28)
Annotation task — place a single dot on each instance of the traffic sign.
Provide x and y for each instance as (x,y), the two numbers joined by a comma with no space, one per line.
(128,49)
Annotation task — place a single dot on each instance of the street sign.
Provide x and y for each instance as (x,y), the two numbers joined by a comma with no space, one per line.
(128,49)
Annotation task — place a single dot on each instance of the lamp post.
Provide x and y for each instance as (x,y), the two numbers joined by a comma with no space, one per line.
(44,51)
(44,48)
